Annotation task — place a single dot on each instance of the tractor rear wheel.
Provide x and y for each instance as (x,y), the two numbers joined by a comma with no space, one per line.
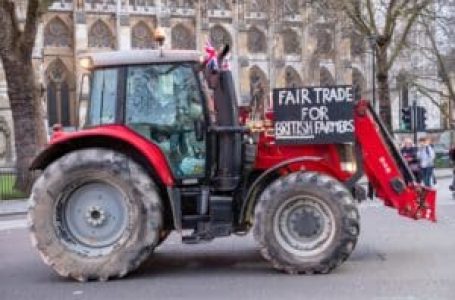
(94,214)
(306,223)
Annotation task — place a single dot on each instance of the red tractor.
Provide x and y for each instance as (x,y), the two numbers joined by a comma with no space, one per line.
(156,155)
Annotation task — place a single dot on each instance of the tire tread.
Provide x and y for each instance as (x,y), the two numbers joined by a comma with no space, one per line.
(337,192)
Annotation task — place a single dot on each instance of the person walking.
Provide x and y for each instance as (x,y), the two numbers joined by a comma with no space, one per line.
(409,153)
(426,155)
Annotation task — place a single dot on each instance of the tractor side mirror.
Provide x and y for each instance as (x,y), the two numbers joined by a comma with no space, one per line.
(199,130)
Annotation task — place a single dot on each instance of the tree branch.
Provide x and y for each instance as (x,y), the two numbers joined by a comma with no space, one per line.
(424,92)
(10,32)
(354,13)
(441,64)
(389,20)
(30,28)
(410,22)
(372,18)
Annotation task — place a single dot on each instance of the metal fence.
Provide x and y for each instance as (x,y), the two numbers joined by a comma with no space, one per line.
(7,181)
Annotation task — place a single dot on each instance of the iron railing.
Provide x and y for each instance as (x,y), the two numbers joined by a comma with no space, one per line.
(7,181)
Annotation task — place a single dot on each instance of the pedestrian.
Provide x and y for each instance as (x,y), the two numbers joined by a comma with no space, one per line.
(433,174)
(452,158)
(409,153)
(426,156)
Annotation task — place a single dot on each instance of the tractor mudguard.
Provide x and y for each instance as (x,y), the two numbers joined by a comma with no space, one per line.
(267,176)
(116,137)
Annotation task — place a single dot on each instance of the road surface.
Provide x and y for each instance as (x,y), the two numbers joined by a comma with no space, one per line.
(395,259)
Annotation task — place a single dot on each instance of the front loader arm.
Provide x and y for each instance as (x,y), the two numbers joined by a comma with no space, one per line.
(386,169)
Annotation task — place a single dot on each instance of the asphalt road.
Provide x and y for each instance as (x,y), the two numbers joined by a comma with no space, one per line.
(395,259)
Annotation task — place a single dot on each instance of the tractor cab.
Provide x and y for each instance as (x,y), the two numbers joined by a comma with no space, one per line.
(163,96)
(158,96)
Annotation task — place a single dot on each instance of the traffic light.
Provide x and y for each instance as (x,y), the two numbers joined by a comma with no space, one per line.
(421,115)
(406,118)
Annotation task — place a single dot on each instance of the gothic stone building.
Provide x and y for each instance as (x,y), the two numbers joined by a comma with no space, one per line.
(294,45)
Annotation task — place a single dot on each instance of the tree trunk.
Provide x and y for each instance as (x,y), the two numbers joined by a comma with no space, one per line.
(27,111)
(16,47)
(382,77)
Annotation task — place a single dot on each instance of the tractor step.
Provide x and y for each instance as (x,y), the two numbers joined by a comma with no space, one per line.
(195,239)
(215,224)
(196,218)
(207,232)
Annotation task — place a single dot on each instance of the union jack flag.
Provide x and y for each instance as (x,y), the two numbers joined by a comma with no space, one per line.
(211,56)
(226,65)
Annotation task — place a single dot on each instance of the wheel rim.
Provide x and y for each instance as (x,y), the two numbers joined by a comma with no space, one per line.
(304,226)
(93,217)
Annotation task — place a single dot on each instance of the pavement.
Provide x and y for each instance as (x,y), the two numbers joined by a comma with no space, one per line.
(19,206)
(13,207)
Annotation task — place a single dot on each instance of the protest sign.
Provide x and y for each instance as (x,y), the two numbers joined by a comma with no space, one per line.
(314,115)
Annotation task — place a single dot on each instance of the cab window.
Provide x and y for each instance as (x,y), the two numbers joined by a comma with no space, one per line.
(163,103)
(103,97)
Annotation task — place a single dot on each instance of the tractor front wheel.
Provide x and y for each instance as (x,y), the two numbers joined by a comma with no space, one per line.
(306,223)
(94,214)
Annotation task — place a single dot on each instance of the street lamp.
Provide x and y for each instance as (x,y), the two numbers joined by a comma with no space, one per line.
(372,39)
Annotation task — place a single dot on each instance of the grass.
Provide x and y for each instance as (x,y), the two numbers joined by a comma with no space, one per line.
(7,190)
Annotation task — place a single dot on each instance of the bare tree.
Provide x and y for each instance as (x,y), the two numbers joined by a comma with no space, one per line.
(16,46)
(438,25)
(387,24)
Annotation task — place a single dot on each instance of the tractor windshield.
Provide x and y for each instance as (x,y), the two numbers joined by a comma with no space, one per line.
(163,104)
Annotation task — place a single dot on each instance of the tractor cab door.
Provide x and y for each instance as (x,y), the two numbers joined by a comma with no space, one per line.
(164,104)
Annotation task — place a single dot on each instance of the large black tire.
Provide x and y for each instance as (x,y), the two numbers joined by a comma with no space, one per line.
(306,223)
(94,214)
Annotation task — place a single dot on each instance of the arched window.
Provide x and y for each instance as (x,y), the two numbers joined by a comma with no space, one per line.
(291,42)
(259,92)
(220,37)
(325,77)
(100,36)
(57,34)
(292,78)
(58,94)
(182,37)
(141,37)
(256,41)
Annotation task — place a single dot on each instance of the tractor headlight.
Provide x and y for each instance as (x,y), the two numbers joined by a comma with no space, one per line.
(159,36)
(86,63)
(350,167)
(259,124)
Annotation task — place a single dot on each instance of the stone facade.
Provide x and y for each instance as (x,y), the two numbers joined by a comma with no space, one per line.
(294,46)
(7,154)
